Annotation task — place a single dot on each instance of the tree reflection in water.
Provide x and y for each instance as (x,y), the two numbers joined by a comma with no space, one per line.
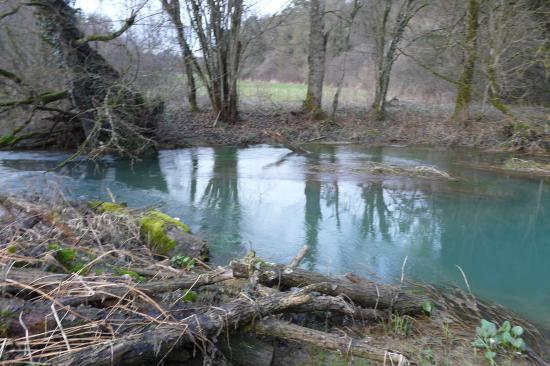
(220,206)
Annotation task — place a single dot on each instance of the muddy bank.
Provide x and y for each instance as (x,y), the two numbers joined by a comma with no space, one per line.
(97,283)
(405,124)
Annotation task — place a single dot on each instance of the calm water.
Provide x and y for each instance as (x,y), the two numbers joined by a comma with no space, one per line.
(496,228)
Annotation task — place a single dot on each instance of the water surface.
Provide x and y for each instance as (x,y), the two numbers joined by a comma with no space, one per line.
(495,227)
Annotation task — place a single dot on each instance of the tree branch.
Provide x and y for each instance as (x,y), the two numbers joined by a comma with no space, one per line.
(109,37)
(10,75)
(42,99)
(9,12)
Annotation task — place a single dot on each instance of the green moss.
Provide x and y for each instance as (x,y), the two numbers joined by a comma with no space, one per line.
(54,246)
(189,296)
(153,226)
(12,249)
(6,140)
(133,274)
(67,257)
(110,207)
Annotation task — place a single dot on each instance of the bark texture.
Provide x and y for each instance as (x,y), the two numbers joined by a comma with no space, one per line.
(366,293)
(465,82)
(172,8)
(113,115)
(316,59)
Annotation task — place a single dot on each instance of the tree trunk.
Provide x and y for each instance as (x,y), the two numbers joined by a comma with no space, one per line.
(316,59)
(386,53)
(465,82)
(346,345)
(217,26)
(172,8)
(113,116)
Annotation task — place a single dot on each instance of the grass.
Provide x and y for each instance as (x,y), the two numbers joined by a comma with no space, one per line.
(281,92)
(266,92)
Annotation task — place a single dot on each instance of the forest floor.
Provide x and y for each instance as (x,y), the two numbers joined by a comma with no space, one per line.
(407,123)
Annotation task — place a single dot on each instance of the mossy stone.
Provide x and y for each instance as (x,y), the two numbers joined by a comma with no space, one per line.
(155,227)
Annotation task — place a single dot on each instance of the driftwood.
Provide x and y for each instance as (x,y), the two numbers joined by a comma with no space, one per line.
(346,345)
(299,257)
(112,287)
(153,345)
(366,293)
(279,138)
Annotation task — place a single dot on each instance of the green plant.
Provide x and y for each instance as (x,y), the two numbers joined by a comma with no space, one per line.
(189,296)
(136,276)
(401,325)
(492,339)
(182,261)
(427,307)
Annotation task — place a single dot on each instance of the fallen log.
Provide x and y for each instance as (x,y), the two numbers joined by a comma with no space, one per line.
(366,293)
(152,288)
(39,317)
(346,345)
(111,287)
(339,305)
(278,137)
(153,345)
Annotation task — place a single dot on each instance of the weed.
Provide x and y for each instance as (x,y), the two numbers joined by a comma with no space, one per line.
(401,325)
(492,339)
(182,261)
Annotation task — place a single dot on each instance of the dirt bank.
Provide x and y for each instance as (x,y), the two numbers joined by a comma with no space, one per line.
(405,124)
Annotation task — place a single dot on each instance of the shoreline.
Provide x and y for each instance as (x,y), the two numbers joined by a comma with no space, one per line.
(403,319)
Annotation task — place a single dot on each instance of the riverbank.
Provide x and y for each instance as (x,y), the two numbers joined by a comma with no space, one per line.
(406,124)
(91,283)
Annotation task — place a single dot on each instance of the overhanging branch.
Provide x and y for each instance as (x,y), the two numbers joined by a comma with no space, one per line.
(41,99)
(108,37)
(9,12)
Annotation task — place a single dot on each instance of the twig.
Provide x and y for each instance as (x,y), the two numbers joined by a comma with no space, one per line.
(60,326)
(299,257)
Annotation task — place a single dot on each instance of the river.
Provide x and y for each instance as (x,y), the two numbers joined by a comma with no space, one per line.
(495,227)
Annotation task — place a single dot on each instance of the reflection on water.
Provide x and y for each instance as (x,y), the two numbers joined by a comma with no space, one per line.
(496,228)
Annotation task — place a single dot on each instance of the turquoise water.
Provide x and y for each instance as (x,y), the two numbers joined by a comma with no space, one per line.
(495,227)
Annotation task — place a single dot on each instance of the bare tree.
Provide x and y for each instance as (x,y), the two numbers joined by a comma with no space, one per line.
(316,59)
(465,82)
(217,27)
(173,9)
(388,36)
(515,44)
(349,23)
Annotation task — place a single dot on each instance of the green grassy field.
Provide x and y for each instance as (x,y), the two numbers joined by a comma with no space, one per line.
(279,92)
(266,92)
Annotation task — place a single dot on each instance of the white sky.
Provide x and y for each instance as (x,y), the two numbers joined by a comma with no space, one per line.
(117,9)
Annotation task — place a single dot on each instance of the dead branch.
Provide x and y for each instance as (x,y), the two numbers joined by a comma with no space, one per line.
(152,345)
(367,294)
(299,257)
(345,345)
